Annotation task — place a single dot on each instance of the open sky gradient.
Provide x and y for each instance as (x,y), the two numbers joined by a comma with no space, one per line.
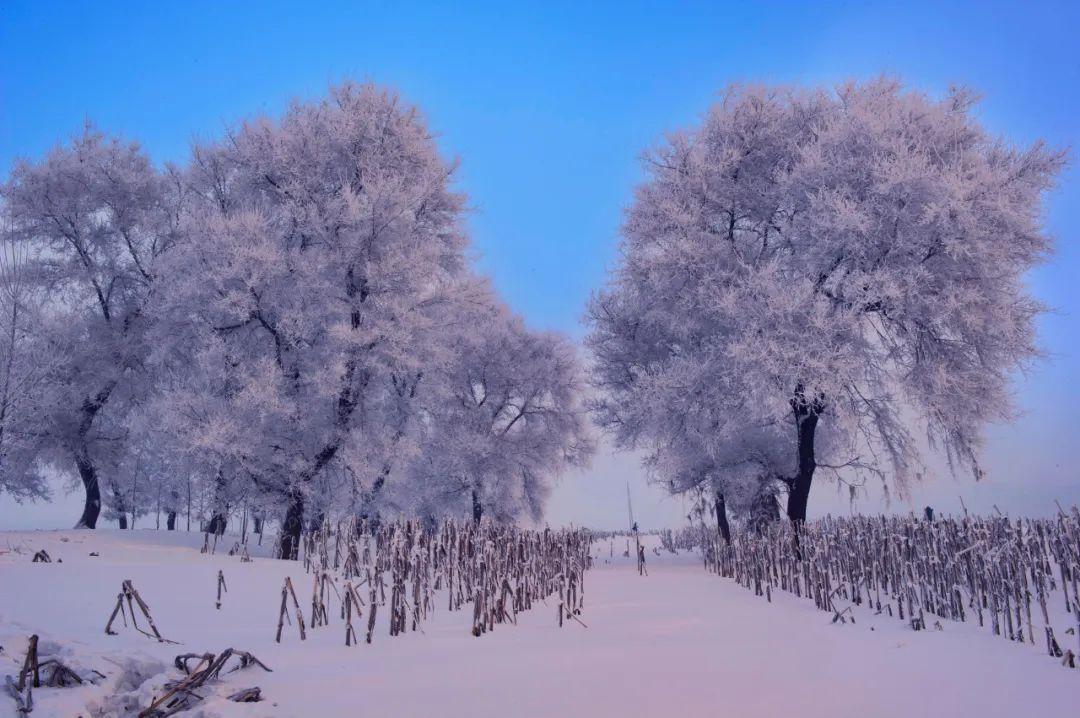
(548,107)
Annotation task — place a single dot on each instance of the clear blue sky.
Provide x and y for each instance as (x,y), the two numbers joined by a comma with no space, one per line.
(548,107)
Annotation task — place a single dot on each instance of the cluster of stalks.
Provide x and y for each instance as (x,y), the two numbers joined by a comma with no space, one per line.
(1019,577)
(400,568)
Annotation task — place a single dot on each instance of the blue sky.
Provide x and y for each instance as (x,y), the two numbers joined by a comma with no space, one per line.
(548,107)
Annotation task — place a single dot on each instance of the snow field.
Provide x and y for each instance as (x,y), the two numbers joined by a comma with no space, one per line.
(679,641)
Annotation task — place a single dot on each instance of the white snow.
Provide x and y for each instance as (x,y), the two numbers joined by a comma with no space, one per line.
(677,642)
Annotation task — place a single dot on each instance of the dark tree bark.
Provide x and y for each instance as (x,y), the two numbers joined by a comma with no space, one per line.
(217,524)
(369,512)
(92,503)
(806,418)
(477,508)
(291,527)
(87,472)
(170,521)
(121,509)
(721,518)
(257,518)
(218,519)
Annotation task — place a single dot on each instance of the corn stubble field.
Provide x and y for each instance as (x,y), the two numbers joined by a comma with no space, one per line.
(893,615)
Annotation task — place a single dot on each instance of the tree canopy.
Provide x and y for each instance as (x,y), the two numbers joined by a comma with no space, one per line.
(288,320)
(808,274)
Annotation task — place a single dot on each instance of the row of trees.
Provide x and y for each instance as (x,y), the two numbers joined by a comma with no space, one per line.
(289,321)
(810,279)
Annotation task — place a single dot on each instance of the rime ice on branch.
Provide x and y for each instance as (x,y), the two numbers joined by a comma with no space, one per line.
(93,219)
(804,271)
(288,323)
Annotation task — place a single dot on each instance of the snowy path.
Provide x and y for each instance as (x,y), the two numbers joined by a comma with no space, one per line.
(679,641)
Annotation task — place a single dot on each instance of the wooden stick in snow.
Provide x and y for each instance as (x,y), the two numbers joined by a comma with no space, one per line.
(220,585)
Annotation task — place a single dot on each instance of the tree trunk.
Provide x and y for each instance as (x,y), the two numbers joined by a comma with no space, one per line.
(721,518)
(289,543)
(120,506)
(800,486)
(134,496)
(221,506)
(217,524)
(257,518)
(369,512)
(477,508)
(806,419)
(92,504)
(170,521)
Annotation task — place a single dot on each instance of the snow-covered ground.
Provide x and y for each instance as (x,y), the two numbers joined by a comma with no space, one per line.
(677,642)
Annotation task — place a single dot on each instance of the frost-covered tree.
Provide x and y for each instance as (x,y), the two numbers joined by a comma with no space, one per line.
(505,418)
(318,250)
(93,218)
(832,268)
(124,494)
(24,367)
(739,477)
(143,482)
(161,477)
